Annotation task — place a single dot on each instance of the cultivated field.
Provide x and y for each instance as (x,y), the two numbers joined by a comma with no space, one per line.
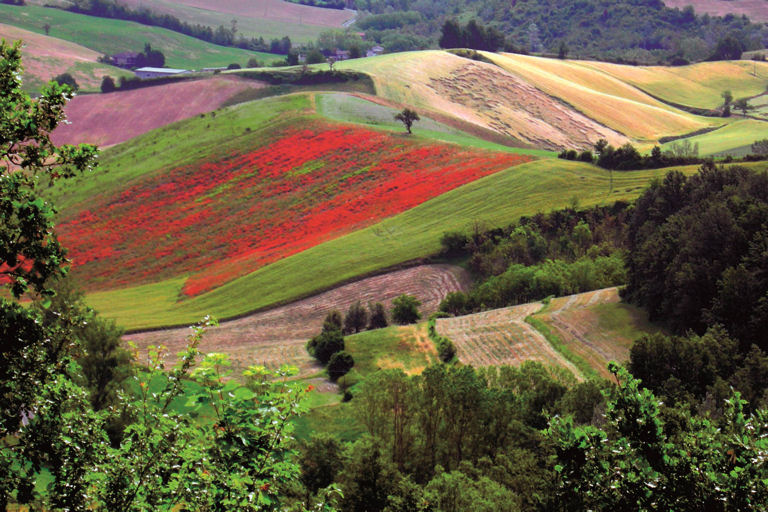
(481,94)
(278,336)
(501,337)
(107,119)
(109,36)
(698,85)
(596,326)
(46,57)
(255,18)
(755,10)
(610,101)
(228,215)
(495,200)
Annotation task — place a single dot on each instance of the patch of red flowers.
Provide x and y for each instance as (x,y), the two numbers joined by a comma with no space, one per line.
(220,220)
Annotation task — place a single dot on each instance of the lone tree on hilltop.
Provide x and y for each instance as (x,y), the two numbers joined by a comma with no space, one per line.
(407,117)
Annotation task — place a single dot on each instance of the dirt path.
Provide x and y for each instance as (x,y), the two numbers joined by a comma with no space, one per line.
(278,336)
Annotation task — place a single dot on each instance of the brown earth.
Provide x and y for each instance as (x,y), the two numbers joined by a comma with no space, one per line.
(273,10)
(107,119)
(278,336)
(514,108)
(500,337)
(755,10)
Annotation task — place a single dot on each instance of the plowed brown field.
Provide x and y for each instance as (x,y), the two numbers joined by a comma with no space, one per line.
(500,337)
(107,119)
(278,336)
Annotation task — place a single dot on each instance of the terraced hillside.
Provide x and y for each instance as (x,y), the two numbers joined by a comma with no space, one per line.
(108,36)
(278,336)
(46,57)
(107,119)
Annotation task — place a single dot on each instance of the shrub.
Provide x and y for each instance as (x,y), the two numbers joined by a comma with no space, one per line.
(339,365)
(107,84)
(67,79)
(405,309)
(323,346)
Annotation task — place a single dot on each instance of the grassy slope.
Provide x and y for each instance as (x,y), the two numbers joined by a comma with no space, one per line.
(269,20)
(108,36)
(735,138)
(534,187)
(603,98)
(698,85)
(46,57)
(353,109)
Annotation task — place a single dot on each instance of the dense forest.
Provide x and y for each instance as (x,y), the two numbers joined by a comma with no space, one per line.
(642,31)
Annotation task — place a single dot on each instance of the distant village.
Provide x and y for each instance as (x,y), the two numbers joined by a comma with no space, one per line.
(134,61)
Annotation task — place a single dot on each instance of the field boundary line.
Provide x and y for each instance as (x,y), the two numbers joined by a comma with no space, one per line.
(587,372)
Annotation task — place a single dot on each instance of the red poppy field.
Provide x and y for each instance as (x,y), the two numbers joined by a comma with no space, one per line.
(219,220)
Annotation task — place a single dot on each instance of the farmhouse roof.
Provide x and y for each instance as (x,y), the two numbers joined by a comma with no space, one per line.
(162,70)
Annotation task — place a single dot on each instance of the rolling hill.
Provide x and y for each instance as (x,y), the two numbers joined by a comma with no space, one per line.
(754,9)
(108,36)
(46,57)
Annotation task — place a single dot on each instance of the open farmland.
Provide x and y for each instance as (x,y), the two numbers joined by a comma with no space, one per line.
(483,95)
(755,10)
(46,57)
(735,138)
(596,326)
(698,85)
(229,214)
(107,119)
(278,336)
(255,18)
(598,96)
(496,199)
(501,337)
(109,36)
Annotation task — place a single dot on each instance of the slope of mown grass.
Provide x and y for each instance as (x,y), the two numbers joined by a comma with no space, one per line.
(698,85)
(735,138)
(45,57)
(494,200)
(108,36)
(609,101)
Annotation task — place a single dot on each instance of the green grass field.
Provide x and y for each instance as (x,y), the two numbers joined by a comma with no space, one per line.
(108,36)
(698,85)
(735,138)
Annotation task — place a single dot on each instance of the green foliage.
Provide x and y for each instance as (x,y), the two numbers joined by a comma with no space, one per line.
(405,309)
(638,460)
(356,318)
(377,318)
(325,345)
(760,147)
(339,365)
(686,272)
(446,351)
